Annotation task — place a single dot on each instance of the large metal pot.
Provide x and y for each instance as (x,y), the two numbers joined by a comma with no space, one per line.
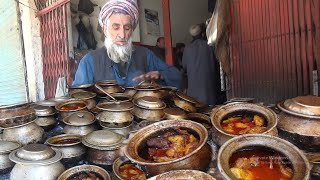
(87,97)
(36,161)
(198,159)
(116,114)
(66,112)
(71,147)
(299,162)
(219,136)
(147,90)
(66,175)
(80,123)
(148,108)
(16,114)
(24,134)
(299,122)
(5,148)
(104,147)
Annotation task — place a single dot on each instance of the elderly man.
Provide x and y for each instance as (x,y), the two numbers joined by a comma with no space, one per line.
(119,60)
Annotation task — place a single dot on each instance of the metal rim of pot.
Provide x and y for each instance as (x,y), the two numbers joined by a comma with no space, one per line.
(183,104)
(91,140)
(50,141)
(43,111)
(183,174)
(115,106)
(185,97)
(217,125)
(33,149)
(153,102)
(282,107)
(77,169)
(20,125)
(87,118)
(233,144)
(162,125)
(116,165)
(71,101)
(79,95)
(81,86)
(8,146)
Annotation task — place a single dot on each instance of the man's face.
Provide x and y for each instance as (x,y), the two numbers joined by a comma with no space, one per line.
(118,28)
(161,43)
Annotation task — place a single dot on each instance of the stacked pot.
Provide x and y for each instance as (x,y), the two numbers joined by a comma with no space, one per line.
(45,113)
(79,123)
(18,124)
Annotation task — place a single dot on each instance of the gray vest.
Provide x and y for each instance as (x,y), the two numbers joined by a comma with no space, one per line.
(103,64)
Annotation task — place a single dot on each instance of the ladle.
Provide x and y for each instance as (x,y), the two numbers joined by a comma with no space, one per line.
(109,95)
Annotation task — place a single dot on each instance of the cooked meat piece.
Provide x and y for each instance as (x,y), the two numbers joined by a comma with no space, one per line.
(254,161)
(230,120)
(244,131)
(191,147)
(241,125)
(158,142)
(242,174)
(243,163)
(180,131)
(259,121)
(177,139)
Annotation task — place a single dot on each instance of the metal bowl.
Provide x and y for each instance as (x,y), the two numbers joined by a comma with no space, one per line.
(78,169)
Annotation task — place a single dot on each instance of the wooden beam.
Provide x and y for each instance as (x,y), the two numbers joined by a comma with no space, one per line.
(167,30)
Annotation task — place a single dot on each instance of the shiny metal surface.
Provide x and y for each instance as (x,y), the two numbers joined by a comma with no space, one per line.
(79,118)
(86,168)
(149,102)
(103,140)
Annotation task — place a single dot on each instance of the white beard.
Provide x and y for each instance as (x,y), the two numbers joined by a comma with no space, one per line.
(118,53)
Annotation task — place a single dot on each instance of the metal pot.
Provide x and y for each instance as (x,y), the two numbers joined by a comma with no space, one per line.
(86,168)
(185,102)
(314,159)
(104,146)
(80,123)
(65,113)
(46,122)
(147,90)
(299,162)
(116,114)
(5,148)
(24,134)
(219,136)
(198,159)
(183,174)
(300,121)
(125,131)
(71,147)
(110,86)
(87,97)
(36,161)
(148,108)
(79,88)
(42,111)
(117,164)
(174,114)
(120,97)
(129,91)
(16,114)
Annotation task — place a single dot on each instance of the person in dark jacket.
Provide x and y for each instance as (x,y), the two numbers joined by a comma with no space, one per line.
(159,50)
(199,63)
(119,60)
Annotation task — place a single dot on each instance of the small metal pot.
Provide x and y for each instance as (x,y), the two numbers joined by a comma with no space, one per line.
(46,122)
(147,90)
(110,86)
(120,97)
(42,111)
(24,134)
(16,114)
(87,97)
(116,114)
(36,161)
(80,123)
(104,147)
(65,113)
(5,148)
(299,162)
(117,164)
(185,102)
(174,114)
(219,136)
(84,168)
(71,147)
(148,108)
(198,159)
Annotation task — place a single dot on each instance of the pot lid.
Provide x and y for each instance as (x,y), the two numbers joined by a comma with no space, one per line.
(102,139)
(146,87)
(175,112)
(79,118)
(35,154)
(8,146)
(83,95)
(307,106)
(82,86)
(46,103)
(185,97)
(60,99)
(116,106)
(107,82)
(149,102)
(43,110)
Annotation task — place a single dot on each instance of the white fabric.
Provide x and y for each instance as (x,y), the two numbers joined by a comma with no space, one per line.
(61,89)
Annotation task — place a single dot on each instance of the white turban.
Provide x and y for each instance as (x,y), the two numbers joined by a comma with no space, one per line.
(129,7)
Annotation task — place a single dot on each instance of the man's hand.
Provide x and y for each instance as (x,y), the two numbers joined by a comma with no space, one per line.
(152,75)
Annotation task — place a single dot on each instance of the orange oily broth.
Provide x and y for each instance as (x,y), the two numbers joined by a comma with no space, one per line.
(74,106)
(262,171)
(130,171)
(229,124)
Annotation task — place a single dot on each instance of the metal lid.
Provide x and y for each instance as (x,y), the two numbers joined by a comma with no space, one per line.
(35,154)
(43,110)
(79,118)
(107,82)
(47,103)
(102,139)
(8,146)
(82,86)
(149,102)
(146,87)
(83,95)
(60,99)
(306,106)
(185,97)
(116,106)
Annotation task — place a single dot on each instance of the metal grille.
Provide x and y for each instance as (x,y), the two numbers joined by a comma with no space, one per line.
(54,36)
(275,46)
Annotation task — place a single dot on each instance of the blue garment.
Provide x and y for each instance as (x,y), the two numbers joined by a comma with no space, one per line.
(86,69)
